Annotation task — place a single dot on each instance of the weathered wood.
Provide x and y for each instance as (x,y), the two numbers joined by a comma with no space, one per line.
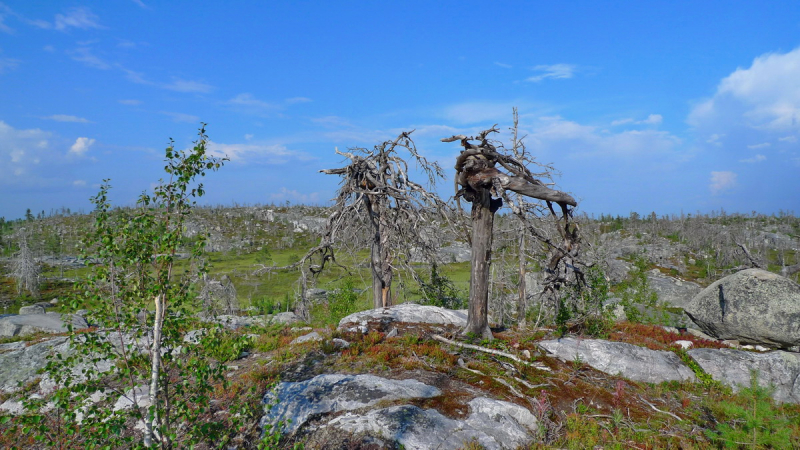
(483,209)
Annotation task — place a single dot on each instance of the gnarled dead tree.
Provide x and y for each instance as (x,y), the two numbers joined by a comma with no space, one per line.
(377,194)
(480,182)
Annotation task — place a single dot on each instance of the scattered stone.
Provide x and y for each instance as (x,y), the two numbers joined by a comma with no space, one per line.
(752,306)
(493,424)
(619,358)
(285,318)
(392,333)
(684,344)
(405,313)
(340,343)
(697,333)
(310,337)
(291,404)
(734,367)
(139,396)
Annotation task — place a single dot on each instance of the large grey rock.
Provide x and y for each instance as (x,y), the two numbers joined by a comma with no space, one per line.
(407,313)
(32,309)
(733,367)
(674,292)
(627,360)
(21,364)
(752,306)
(35,323)
(493,424)
(293,403)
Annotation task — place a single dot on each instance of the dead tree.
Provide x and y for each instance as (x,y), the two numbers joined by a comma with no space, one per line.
(378,195)
(481,183)
(24,268)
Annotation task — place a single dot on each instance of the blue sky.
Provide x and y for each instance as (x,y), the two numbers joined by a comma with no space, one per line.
(642,106)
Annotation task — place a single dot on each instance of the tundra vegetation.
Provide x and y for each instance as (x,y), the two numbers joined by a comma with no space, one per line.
(153,274)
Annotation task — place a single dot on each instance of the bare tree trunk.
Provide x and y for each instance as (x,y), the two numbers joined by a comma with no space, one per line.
(150,419)
(483,209)
(522,305)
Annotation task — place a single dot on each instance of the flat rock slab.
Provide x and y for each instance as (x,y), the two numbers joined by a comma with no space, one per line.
(733,367)
(407,313)
(21,364)
(675,292)
(752,306)
(493,424)
(618,358)
(21,325)
(291,404)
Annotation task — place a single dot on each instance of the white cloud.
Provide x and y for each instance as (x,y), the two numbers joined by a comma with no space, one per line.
(652,119)
(503,65)
(20,151)
(721,182)
(81,146)
(248,137)
(130,102)
(621,122)
(788,139)
(180,85)
(557,134)
(554,71)
(714,139)
(180,117)
(765,95)
(757,146)
(79,183)
(140,4)
(66,118)
(268,153)
(295,197)
(754,159)
(79,17)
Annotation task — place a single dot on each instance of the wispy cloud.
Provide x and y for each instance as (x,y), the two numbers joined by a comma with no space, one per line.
(503,65)
(130,102)
(67,118)
(295,100)
(652,119)
(554,71)
(78,17)
(754,159)
(180,117)
(85,55)
(181,85)
(788,139)
(81,146)
(294,196)
(476,112)
(255,152)
(7,64)
(140,4)
(721,182)
(757,146)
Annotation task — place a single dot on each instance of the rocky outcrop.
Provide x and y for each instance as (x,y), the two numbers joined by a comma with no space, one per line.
(406,313)
(673,291)
(734,368)
(21,363)
(20,325)
(752,306)
(491,423)
(618,358)
(290,404)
